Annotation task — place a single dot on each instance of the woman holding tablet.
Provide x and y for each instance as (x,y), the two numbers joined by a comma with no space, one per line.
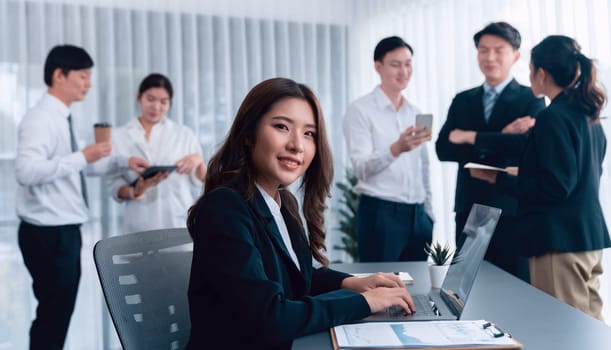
(161,198)
(252,282)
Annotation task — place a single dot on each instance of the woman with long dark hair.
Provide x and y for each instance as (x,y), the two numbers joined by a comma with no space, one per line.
(559,177)
(252,281)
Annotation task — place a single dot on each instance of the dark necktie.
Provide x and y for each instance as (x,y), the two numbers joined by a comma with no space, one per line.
(490,97)
(74,148)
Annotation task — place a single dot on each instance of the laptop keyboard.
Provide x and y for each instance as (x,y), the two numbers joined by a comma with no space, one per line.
(424,306)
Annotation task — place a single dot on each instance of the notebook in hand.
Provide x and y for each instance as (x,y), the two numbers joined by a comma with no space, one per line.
(448,302)
(471,165)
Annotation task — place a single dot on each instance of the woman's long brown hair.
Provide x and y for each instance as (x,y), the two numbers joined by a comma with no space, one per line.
(234,158)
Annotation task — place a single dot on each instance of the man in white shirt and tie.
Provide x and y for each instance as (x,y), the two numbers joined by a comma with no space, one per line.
(488,124)
(51,198)
(394,217)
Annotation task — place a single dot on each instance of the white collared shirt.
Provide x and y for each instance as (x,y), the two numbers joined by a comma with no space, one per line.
(371,125)
(49,191)
(274,208)
(166,204)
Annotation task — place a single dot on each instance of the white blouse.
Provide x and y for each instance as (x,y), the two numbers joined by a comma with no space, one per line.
(164,205)
(274,208)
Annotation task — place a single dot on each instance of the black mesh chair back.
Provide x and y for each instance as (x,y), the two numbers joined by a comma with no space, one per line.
(144,277)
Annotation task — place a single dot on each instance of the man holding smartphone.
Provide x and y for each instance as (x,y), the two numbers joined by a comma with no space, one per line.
(489,124)
(394,217)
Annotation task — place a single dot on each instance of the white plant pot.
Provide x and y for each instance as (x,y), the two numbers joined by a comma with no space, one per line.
(437,274)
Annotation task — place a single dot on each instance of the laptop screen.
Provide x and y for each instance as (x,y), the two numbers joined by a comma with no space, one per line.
(473,244)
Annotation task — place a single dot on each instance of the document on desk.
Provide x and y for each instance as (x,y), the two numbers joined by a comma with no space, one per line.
(471,165)
(478,334)
(404,276)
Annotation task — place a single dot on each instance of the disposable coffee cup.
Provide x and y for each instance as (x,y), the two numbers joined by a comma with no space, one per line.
(102,132)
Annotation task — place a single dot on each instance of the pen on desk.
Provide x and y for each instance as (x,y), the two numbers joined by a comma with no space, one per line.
(498,334)
(501,332)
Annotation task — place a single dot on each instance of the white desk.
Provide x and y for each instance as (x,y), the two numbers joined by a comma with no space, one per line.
(537,320)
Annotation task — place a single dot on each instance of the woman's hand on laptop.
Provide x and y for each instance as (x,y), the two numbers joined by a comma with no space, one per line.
(379,279)
(381,298)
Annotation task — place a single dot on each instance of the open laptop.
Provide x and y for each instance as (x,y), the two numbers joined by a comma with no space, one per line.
(447,303)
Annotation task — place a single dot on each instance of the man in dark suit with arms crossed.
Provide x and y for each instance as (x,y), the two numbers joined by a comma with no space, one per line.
(489,124)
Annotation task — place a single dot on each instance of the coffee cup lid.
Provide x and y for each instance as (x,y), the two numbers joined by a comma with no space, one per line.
(102,125)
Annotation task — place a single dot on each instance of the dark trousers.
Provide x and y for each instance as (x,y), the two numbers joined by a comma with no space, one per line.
(391,231)
(503,248)
(52,255)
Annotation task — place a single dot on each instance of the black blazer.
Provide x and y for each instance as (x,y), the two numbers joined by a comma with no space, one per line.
(245,292)
(558,183)
(491,146)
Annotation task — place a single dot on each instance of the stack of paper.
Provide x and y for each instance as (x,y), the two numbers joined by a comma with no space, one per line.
(404,276)
(478,334)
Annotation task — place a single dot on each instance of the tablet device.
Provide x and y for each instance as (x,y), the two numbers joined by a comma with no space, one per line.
(154,170)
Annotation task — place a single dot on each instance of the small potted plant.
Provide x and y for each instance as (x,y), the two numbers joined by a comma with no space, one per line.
(441,257)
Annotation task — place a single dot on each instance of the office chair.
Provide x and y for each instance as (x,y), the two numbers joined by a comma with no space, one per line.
(144,277)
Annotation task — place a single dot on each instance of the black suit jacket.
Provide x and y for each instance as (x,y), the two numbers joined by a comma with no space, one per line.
(558,183)
(491,146)
(245,292)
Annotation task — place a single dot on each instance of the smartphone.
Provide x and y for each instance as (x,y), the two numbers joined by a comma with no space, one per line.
(426,120)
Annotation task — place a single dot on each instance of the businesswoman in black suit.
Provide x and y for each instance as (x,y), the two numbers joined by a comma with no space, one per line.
(252,281)
(559,177)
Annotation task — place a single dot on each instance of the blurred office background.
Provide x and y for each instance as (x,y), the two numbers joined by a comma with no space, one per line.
(214,52)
